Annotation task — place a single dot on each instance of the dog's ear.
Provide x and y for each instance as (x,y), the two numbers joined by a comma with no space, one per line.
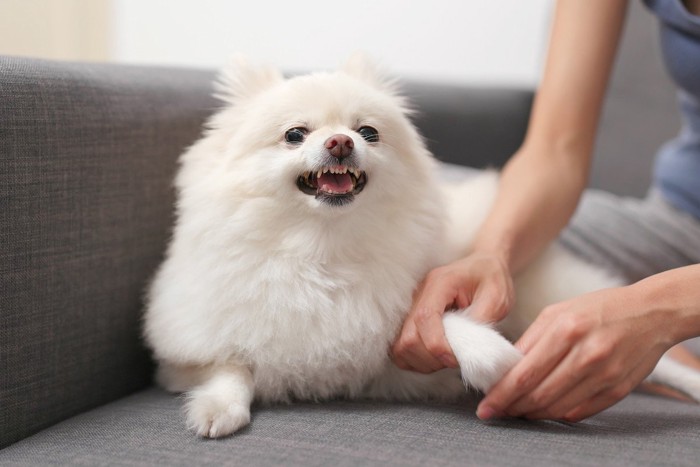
(240,80)
(360,66)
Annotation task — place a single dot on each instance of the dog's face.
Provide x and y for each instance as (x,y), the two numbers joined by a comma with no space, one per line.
(336,174)
(323,141)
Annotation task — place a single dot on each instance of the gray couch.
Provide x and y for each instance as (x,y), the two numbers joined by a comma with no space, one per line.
(87,155)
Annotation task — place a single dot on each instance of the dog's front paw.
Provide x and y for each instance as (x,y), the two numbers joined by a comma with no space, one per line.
(212,417)
(484,356)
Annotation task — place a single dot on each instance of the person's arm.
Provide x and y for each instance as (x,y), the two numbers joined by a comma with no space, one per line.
(539,188)
(585,354)
(541,185)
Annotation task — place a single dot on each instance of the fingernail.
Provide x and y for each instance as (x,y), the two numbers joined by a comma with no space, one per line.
(573,416)
(485,412)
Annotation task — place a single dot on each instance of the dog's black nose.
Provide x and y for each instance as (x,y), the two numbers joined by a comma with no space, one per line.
(340,146)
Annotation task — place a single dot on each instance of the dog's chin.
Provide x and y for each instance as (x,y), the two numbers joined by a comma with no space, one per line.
(336,186)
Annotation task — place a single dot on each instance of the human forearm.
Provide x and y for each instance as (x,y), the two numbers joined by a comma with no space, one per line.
(675,294)
(542,183)
(537,196)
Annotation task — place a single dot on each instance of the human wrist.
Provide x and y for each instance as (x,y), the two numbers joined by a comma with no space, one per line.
(500,251)
(671,297)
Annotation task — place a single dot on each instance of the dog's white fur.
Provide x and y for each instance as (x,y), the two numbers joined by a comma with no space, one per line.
(270,294)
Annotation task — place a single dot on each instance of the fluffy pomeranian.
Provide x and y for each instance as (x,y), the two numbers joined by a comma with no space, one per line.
(306,216)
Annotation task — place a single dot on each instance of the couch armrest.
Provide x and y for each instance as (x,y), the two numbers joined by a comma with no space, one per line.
(87,156)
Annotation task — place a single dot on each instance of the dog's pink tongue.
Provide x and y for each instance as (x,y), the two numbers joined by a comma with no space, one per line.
(335,183)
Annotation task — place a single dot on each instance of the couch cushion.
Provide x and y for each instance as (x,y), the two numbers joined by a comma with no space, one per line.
(148,429)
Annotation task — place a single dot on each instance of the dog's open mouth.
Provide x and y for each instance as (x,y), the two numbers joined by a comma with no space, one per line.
(336,185)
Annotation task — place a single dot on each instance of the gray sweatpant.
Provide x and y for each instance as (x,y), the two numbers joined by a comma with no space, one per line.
(632,237)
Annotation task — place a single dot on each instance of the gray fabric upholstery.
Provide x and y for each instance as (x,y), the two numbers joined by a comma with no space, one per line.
(86,163)
(87,155)
(148,429)
(473,127)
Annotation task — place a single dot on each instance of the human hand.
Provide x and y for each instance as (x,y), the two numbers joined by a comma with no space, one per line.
(480,280)
(581,356)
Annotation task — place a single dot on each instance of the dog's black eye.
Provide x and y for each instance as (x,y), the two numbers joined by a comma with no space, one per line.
(295,135)
(371,135)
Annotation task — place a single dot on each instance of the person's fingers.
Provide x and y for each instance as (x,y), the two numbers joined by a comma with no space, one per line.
(432,333)
(534,332)
(492,301)
(409,352)
(564,389)
(570,397)
(422,344)
(611,395)
(427,313)
(527,374)
(577,377)
(552,335)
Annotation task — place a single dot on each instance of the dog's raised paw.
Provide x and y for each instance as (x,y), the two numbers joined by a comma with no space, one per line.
(484,356)
(211,418)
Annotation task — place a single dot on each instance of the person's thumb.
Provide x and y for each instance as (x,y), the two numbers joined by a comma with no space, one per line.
(490,304)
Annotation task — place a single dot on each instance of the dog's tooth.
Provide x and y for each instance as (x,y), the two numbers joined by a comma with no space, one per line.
(325,170)
(318,174)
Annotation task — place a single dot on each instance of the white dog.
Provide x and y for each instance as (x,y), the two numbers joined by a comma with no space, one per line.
(306,216)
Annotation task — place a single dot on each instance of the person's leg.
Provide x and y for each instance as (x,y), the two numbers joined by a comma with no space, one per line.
(634,238)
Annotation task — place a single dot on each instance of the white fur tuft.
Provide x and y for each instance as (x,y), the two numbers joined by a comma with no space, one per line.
(360,66)
(240,80)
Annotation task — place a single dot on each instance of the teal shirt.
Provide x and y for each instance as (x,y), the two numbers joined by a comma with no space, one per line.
(677,167)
